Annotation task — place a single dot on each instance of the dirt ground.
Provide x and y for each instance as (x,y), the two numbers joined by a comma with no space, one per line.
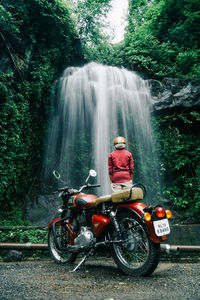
(97,279)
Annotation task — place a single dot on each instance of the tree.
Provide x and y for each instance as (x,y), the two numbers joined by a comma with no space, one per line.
(163,38)
(89,17)
(38,40)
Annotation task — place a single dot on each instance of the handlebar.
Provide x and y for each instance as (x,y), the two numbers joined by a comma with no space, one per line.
(74,191)
(63,189)
(89,186)
(93,185)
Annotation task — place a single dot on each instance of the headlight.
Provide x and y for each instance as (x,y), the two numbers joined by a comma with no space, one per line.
(60,210)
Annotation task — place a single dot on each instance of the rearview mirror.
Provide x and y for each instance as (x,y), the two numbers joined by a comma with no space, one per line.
(93,173)
(56,174)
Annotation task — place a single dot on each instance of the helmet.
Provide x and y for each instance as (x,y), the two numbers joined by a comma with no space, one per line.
(119,142)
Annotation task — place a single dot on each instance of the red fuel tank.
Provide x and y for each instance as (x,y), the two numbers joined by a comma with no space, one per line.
(99,223)
(81,201)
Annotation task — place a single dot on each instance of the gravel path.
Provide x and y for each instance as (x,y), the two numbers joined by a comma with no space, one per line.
(97,279)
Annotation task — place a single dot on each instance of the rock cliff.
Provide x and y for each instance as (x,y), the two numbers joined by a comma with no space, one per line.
(174,94)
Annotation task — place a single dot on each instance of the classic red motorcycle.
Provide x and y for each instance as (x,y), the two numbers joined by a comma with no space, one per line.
(120,222)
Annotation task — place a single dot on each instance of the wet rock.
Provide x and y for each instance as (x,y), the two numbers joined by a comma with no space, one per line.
(13,255)
(42,209)
(173,93)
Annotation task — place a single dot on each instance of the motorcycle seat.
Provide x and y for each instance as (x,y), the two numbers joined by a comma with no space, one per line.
(133,194)
(102,199)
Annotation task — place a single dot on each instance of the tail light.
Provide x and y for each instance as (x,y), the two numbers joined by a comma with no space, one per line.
(160,212)
(147,217)
(168,214)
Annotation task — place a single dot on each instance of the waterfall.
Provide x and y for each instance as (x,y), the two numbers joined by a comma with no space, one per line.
(91,105)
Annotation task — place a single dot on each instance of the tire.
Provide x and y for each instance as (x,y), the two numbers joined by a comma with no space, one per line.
(138,255)
(58,255)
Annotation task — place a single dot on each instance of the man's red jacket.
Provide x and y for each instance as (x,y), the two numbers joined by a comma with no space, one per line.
(120,165)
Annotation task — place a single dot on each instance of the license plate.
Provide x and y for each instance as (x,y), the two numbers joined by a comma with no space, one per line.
(161,227)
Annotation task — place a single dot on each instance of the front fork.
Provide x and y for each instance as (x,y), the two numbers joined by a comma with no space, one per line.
(67,225)
(56,235)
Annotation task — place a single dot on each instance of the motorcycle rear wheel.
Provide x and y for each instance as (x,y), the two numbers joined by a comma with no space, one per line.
(63,240)
(138,255)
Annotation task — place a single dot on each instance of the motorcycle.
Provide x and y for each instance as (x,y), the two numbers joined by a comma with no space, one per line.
(130,230)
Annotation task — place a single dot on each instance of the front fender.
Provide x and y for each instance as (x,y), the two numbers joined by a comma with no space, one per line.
(138,209)
(55,220)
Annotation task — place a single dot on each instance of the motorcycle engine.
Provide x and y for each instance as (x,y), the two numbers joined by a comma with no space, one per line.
(85,238)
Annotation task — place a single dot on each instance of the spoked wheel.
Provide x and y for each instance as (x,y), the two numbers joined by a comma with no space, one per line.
(137,255)
(63,240)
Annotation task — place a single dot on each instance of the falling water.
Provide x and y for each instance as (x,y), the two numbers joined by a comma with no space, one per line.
(90,107)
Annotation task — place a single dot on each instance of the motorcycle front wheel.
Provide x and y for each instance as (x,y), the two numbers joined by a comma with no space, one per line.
(137,255)
(60,256)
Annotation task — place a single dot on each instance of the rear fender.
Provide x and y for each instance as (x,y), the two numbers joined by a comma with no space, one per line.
(137,208)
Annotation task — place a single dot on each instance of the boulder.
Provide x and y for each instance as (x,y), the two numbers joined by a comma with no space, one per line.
(13,255)
(173,93)
(43,209)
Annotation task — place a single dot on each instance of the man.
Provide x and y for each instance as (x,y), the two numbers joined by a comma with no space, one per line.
(120,165)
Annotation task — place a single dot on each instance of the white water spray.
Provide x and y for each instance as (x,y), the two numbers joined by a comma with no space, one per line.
(92,105)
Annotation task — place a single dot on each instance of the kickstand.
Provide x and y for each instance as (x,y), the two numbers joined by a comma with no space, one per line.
(82,261)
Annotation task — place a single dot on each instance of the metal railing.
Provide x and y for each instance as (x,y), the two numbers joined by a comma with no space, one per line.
(36,246)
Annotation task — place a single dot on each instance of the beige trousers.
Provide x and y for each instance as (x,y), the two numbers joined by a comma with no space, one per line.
(117,187)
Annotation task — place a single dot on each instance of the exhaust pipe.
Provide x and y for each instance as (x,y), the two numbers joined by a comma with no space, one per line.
(179,248)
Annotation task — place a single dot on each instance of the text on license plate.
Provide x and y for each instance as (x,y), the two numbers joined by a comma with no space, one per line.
(161,227)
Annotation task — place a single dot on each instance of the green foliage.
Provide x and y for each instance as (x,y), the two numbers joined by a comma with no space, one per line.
(90,21)
(89,18)
(162,38)
(23,235)
(38,41)
(13,216)
(180,156)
